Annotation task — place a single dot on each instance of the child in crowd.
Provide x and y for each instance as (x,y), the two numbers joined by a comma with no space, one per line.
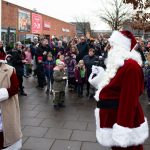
(74,50)
(81,77)
(28,64)
(40,73)
(71,63)
(48,67)
(59,85)
(60,58)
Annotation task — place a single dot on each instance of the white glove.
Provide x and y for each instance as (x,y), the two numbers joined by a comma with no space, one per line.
(96,69)
(64,78)
(95,80)
(3,94)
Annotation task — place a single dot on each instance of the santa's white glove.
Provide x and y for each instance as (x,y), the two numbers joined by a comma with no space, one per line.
(95,80)
(97,69)
(3,94)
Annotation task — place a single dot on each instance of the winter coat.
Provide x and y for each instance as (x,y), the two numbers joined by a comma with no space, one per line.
(70,67)
(60,49)
(28,57)
(48,68)
(40,50)
(78,75)
(83,50)
(33,49)
(59,82)
(123,125)
(40,70)
(16,61)
(89,61)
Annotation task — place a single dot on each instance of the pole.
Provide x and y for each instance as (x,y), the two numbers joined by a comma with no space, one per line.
(0,19)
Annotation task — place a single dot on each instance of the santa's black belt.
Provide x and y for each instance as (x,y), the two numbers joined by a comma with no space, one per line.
(108,104)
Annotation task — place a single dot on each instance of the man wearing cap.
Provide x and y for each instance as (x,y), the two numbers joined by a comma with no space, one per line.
(10,128)
(119,116)
(18,61)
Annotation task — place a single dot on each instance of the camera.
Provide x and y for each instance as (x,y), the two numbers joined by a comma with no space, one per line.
(100,62)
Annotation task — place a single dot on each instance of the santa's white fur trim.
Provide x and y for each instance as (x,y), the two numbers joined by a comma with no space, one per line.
(3,94)
(15,146)
(115,60)
(120,136)
(119,39)
(130,136)
(3,61)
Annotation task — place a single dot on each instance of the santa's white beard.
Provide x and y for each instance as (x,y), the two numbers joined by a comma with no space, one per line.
(116,56)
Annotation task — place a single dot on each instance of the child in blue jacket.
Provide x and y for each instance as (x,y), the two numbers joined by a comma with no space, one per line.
(49,65)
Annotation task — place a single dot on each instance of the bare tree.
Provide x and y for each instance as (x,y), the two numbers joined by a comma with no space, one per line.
(138,4)
(114,13)
(83,24)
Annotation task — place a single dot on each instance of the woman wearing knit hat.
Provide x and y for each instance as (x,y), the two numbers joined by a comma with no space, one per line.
(119,116)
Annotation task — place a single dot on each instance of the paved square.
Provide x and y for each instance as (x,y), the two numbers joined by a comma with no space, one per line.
(70,128)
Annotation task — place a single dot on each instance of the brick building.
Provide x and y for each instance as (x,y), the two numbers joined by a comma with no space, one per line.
(21,23)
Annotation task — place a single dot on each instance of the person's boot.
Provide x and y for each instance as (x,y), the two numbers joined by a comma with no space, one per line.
(87,94)
(47,91)
(51,92)
(62,105)
(56,107)
(91,96)
(23,93)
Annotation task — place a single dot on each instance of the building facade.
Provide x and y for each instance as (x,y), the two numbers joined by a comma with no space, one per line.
(20,23)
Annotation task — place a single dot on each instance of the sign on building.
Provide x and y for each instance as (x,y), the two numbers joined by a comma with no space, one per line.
(47,25)
(36,23)
(24,21)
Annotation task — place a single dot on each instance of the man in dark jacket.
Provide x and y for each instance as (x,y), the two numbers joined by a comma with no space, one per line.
(59,50)
(89,60)
(43,49)
(17,62)
(83,48)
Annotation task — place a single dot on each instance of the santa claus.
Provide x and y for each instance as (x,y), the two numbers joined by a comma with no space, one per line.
(10,129)
(119,116)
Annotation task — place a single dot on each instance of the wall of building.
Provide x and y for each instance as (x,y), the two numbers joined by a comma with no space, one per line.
(58,28)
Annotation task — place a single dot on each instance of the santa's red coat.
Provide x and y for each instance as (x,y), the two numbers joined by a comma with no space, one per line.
(126,86)
(126,125)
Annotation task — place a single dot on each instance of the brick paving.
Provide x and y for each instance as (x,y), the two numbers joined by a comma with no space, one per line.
(71,128)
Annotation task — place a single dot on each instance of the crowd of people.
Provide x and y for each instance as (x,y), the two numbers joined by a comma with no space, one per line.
(56,63)
(111,68)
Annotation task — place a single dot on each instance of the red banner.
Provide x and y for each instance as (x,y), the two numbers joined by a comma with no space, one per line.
(36,23)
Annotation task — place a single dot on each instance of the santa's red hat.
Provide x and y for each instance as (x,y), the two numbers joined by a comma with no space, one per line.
(124,39)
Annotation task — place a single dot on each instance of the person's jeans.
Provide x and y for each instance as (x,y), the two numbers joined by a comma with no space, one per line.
(80,89)
(50,81)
